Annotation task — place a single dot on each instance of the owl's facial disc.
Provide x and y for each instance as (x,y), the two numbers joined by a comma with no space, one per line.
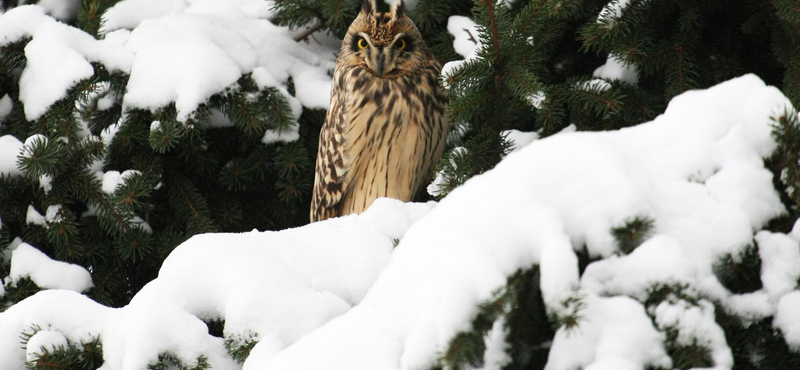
(383,60)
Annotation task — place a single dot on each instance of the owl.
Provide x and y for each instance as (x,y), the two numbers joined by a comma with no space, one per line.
(385,128)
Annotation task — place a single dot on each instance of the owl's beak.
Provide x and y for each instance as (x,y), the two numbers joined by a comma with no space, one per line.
(381,64)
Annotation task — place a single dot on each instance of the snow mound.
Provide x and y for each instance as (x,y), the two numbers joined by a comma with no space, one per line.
(273,287)
(338,294)
(27,261)
(58,56)
(44,341)
(10,147)
(697,171)
(787,319)
(615,333)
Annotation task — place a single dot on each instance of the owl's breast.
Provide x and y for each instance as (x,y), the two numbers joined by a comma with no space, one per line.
(395,132)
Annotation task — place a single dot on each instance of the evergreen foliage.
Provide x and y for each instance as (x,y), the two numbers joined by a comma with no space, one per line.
(741,273)
(633,233)
(77,356)
(184,178)
(520,309)
(239,348)
(786,131)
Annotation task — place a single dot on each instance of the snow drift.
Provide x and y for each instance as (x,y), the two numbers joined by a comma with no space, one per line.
(697,171)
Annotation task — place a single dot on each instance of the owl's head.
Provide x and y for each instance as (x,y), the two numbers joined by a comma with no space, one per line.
(386,44)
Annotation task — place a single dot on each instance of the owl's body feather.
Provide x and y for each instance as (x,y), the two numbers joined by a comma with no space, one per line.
(385,128)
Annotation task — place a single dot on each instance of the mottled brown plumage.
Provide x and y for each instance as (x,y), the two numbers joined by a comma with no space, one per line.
(385,129)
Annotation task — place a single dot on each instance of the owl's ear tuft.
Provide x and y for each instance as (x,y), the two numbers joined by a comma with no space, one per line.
(368,7)
(398,9)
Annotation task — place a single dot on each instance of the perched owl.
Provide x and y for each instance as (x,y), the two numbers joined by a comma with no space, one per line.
(385,128)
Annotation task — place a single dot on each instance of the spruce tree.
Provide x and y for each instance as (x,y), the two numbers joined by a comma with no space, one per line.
(180,178)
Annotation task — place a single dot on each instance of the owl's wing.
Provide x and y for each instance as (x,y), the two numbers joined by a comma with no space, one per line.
(330,181)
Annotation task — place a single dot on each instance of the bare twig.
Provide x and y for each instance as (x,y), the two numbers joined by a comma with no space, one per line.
(308,32)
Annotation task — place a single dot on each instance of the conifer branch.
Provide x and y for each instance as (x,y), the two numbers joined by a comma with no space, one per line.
(493,27)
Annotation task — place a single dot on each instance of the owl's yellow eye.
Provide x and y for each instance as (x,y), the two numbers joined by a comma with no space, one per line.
(362,43)
(400,44)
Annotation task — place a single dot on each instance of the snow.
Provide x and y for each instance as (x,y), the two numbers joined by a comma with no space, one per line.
(795,234)
(537,100)
(519,139)
(34,217)
(6,105)
(33,140)
(409,4)
(392,218)
(495,357)
(27,261)
(264,79)
(76,318)
(659,260)
(615,333)
(787,319)
(612,11)
(53,214)
(58,56)
(615,69)
(44,341)
(113,179)
(45,182)
(174,51)
(10,147)
(274,136)
(695,325)
(466,42)
(780,263)
(465,32)
(455,258)
(780,272)
(130,13)
(595,84)
(63,10)
(302,279)
(439,184)
(5,255)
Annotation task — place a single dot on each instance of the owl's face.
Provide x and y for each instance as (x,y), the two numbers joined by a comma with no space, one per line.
(387,44)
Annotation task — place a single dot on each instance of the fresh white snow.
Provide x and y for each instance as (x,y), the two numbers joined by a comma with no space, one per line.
(274,286)
(44,341)
(615,333)
(176,51)
(34,217)
(615,69)
(113,179)
(612,11)
(63,10)
(787,319)
(560,194)
(27,261)
(466,43)
(10,148)
(6,105)
(336,294)
(695,325)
